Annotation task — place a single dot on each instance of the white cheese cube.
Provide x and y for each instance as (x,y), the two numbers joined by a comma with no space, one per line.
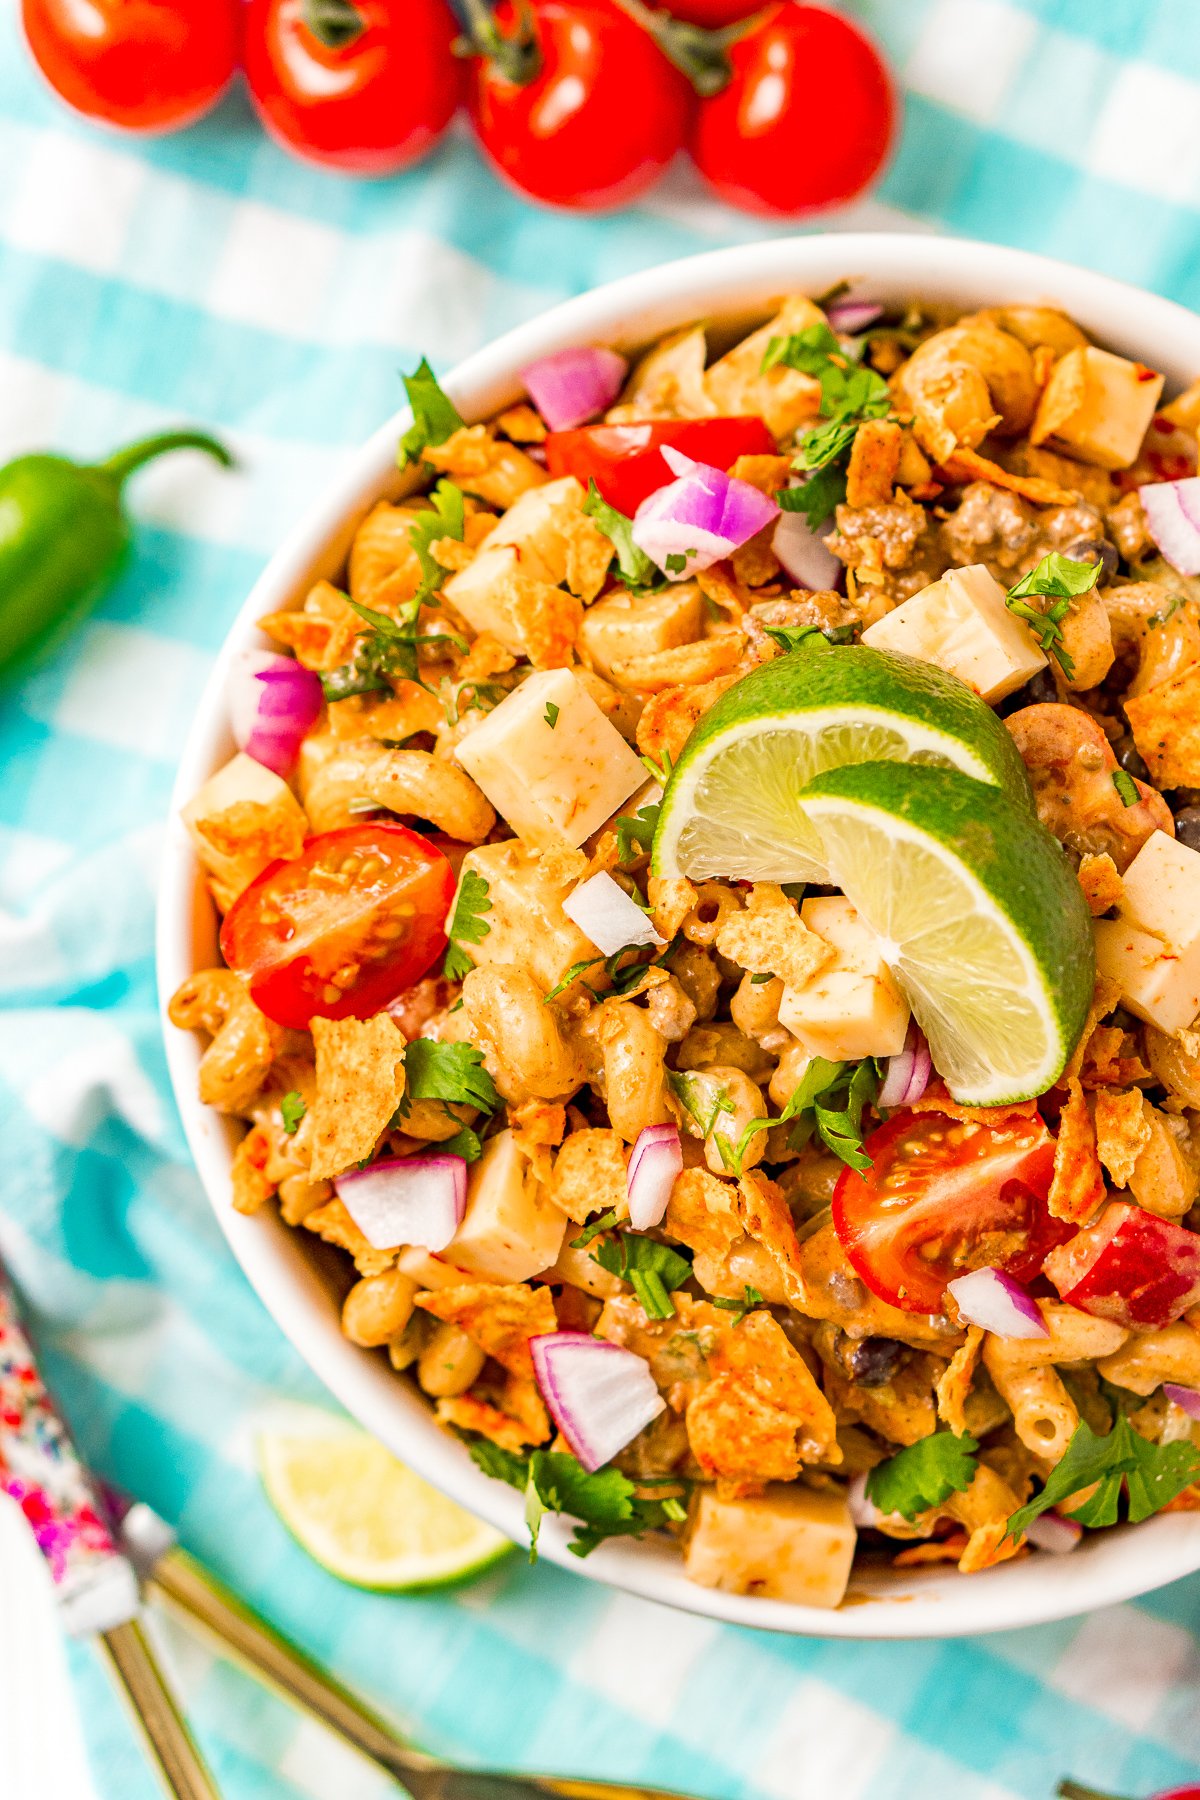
(962,624)
(540,526)
(510,1230)
(788,1543)
(527,925)
(852,1008)
(1153,947)
(623,625)
(278,820)
(554,783)
(1097,407)
(426,1269)
(482,593)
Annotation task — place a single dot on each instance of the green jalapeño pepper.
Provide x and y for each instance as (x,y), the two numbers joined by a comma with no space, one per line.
(64,534)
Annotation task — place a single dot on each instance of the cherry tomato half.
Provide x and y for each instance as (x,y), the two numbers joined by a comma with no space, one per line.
(359,85)
(597,122)
(625,461)
(139,64)
(943,1197)
(807,119)
(344,927)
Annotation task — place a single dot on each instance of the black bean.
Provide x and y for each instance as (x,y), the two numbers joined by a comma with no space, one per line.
(1088,549)
(1132,760)
(872,1361)
(1187,827)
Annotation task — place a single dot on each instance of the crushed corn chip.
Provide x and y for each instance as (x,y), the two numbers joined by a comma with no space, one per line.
(360,1079)
(874,463)
(333,1223)
(1077,1188)
(589,1175)
(501,1320)
(1165,723)
(494,470)
(1101,883)
(770,938)
(954,1386)
(762,1416)
(1122,1131)
(252,1187)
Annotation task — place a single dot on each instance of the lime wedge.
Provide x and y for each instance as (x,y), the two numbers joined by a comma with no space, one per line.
(365,1517)
(732,806)
(985,925)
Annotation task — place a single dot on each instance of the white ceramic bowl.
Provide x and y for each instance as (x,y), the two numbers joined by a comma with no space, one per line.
(735,286)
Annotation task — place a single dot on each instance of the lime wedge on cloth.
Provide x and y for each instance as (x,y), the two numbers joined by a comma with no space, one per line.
(365,1517)
(984,922)
(732,806)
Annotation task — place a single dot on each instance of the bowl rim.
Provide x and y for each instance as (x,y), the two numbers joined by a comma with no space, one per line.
(735,284)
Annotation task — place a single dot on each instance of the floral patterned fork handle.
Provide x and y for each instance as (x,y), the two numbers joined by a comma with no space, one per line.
(95,1583)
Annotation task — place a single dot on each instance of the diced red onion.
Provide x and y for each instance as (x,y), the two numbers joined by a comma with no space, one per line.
(605,913)
(990,1298)
(850,316)
(655,1161)
(803,555)
(407,1200)
(1187,1397)
(1054,1533)
(273,701)
(599,1395)
(863,1512)
(1172,510)
(572,386)
(908,1072)
(701,516)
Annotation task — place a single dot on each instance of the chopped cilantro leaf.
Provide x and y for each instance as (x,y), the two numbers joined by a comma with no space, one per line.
(464,1143)
(660,771)
(850,394)
(445,519)
(636,828)
(689,1091)
(758,980)
(676,564)
(818,497)
(814,1107)
(551,714)
(387,652)
(450,1072)
(576,969)
(638,572)
(749,1300)
(605,1222)
(1060,580)
(606,1504)
(797,637)
(435,416)
(1151,1474)
(923,1475)
(652,1270)
(467,923)
(806,351)
(292,1109)
(1126,787)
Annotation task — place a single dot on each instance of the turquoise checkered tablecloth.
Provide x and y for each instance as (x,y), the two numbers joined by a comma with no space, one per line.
(207,276)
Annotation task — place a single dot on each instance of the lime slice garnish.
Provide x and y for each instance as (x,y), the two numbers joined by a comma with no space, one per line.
(732,806)
(984,923)
(365,1517)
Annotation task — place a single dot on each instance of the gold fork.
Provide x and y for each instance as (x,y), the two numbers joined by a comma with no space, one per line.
(205,1604)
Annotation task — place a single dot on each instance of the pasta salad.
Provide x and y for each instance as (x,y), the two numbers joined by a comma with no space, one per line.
(711,937)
